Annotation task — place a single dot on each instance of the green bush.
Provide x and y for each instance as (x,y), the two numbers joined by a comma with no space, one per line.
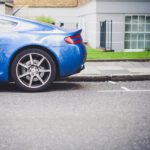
(44,19)
(147,49)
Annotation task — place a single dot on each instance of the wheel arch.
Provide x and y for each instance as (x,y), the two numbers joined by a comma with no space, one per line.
(38,47)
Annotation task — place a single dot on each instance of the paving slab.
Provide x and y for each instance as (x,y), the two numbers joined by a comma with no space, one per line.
(120,71)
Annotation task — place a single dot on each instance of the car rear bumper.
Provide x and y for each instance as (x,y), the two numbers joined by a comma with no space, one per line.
(82,68)
(72,60)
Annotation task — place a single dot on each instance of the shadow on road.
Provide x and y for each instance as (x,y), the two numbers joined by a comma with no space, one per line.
(59,86)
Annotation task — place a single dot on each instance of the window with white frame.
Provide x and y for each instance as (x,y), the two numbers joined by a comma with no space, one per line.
(137,32)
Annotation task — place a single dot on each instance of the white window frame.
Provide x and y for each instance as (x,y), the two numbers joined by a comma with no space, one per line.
(138,15)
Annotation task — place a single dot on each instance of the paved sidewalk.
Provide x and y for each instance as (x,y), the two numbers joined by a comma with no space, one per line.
(101,71)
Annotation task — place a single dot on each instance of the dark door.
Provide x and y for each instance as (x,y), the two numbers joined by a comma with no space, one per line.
(106,35)
(103,34)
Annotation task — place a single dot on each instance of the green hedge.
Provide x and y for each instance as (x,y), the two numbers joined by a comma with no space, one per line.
(44,19)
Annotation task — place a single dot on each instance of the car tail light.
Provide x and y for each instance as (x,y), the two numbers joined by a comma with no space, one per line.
(76,39)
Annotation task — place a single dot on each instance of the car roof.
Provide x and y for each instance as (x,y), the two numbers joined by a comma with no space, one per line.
(26,21)
(34,22)
(17,19)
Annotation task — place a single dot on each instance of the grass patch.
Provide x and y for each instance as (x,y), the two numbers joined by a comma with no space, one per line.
(47,20)
(94,54)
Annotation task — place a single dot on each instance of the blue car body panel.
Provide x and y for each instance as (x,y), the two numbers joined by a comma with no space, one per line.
(70,57)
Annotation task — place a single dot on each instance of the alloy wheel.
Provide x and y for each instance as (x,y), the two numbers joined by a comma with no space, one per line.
(33,70)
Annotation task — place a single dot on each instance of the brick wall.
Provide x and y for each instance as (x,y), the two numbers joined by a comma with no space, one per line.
(81,2)
(50,3)
(47,3)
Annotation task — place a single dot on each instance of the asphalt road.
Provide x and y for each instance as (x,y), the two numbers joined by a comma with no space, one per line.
(76,116)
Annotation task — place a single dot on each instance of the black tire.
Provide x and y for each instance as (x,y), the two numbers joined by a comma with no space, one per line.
(22,82)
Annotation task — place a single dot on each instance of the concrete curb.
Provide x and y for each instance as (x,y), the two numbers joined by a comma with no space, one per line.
(119,60)
(108,78)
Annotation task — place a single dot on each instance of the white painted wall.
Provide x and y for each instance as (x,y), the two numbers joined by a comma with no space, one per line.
(88,22)
(2,9)
(123,7)
(89,29)
(69,15)
(116,12)
(9,9)
(117,29)
(94,12)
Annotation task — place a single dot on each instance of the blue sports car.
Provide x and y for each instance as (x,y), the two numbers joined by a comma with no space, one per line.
(34,54)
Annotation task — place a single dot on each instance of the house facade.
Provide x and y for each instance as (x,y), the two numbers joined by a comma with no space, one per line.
(62,11)
(2,7)
(130,23)
(6,7)
(120,25)
(49,3)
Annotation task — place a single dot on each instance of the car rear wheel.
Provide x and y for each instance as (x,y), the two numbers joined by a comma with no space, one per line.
(33,70)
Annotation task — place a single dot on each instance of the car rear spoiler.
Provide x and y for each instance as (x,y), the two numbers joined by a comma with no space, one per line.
(77,32)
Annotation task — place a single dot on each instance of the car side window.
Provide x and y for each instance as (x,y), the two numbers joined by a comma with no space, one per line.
(7,26)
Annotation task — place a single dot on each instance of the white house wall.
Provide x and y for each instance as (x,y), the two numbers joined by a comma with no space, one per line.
(89,8)
(68,15)
(89,29)
(116,12)
(117,29)
(123,7)
(87,21)
(2,8)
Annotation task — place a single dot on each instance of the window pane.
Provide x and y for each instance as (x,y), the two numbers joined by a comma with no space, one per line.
(135,27)
(134,37)
(127,45)
(128,28)
(141,19)
(141,27)
(147,27)
(127,36)
(147,36)
(128,19)
(134,45)
(147,45)
(137,32)
(134,19)
(147,19)
(141,44)
(141,37)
